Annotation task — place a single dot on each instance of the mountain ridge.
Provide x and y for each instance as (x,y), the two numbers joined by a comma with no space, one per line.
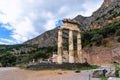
(107,13)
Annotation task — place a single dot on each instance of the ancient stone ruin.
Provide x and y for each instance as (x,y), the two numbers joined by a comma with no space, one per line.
(71,26)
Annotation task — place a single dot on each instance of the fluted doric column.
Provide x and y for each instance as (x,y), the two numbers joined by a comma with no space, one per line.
(71,49)
(59,58)
(79,48)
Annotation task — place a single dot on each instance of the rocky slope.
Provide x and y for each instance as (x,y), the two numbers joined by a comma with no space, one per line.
(107,13)
(48,38)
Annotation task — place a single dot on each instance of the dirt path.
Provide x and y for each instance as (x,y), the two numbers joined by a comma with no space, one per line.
(21,74)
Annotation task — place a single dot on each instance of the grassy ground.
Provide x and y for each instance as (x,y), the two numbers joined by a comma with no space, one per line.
(104,78)
(88,68)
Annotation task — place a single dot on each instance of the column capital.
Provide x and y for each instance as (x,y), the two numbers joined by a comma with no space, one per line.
(60,28)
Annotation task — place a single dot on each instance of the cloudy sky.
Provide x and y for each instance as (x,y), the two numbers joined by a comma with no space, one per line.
(21,20)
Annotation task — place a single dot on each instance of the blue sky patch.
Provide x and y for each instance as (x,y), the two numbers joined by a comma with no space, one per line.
(59,23)
(4,33)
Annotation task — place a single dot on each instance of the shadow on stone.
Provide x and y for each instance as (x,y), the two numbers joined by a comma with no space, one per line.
(68,66)
(99,73)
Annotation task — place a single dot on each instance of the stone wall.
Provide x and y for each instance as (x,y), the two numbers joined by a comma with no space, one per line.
(95,56)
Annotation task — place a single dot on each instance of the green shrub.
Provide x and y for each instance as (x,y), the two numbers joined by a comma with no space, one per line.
(116,73)
(7,59)
(118,39)
(90,45)
(104,78)
(77,71)
(118,32)
(104,42)
(97,37)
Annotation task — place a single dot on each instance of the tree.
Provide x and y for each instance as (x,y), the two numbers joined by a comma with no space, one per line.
(118,39)
(97,38)
(7,59)
(118,32)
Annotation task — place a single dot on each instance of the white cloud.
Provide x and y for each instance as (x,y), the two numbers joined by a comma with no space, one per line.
(6,41)
(50,24)
(29,18)
(91,6)
(63,10)
(2,43)
(11,9)
(24,30)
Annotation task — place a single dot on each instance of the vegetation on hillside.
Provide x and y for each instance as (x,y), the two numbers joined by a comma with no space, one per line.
(97,36)
(11,55)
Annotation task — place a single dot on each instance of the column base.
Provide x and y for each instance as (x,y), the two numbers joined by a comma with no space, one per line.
(59,59)
(71,59)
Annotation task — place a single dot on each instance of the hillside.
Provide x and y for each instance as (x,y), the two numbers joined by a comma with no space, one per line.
(107,13)
(48,38)
(99,46)
(11,55)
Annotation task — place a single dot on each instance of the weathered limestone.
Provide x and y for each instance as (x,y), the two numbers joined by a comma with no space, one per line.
(70,25)
(59,58)
(65,56)
(71,49)
(79,48)
(54,57)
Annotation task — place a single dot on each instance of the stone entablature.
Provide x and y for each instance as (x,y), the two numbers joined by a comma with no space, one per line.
(70,25)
